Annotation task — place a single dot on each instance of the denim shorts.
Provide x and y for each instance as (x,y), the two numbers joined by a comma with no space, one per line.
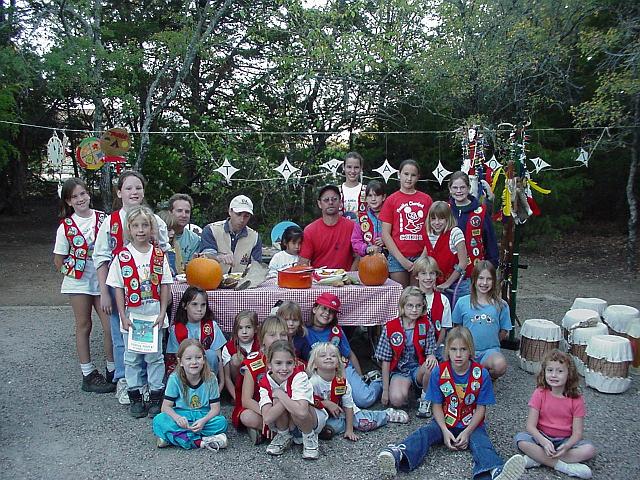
(484,354)
(557,441)
(411,374)
(394,265)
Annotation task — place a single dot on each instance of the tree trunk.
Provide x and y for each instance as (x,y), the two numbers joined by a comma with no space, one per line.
(632,254)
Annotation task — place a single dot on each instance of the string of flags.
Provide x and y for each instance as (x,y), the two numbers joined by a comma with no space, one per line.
(93,153)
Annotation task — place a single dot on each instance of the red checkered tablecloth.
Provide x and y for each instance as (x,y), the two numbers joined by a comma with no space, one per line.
(361,305)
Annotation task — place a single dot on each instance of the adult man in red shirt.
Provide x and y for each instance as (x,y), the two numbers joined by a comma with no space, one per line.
(327,240)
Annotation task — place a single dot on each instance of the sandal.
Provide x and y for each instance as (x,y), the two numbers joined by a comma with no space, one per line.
(397,416)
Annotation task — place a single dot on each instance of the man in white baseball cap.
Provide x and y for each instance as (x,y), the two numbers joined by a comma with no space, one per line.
(231,242)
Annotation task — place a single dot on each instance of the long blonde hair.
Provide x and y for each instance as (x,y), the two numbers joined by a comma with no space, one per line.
(312,366)
(205,373)
(494,294)
(147,213)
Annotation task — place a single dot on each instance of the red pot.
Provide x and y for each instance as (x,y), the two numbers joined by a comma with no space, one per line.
(295,277)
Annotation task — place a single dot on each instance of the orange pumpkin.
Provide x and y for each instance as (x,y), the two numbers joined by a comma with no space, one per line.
(373,269)
(204,273)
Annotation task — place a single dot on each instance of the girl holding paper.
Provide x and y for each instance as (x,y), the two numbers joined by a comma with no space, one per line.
(141,277)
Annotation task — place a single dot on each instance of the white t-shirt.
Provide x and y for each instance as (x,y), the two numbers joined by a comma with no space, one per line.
(282,260)
(322,388)
(88,283)
(150,306)
(456,237)
(301,389)
(446,311)
(350,198)
(226,356)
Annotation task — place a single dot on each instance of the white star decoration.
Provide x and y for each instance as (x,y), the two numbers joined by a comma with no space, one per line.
(286,169)
(583,157)
(493,164)
(539,163)
(332,166)
(226,170)
(441,173)
(386,170)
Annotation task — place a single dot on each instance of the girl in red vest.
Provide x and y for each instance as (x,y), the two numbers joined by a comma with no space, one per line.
(556,420)
(406,349)
(73,252)
(291,313)
(246,413)
(460,389)
(286,402)
(243,341)
(445,243)
(194,319)
(110,239)
(403,216)
(141,278)
(332,391)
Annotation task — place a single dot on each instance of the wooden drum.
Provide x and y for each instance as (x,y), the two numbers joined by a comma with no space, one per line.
(590,303)
(578,341)
(537,337)
(618,317)
(634,337)
(576,318)
(608,361)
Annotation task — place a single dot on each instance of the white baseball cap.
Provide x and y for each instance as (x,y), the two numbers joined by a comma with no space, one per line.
(241,203)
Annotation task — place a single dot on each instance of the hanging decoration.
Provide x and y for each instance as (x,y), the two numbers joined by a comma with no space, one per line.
(473,159)
(286,169)
(115,142)
(55,151)
(89,154)
(332,166)
(493,163)
(440,172)
(539,164)
(386,170)
(226,170)
(583,157)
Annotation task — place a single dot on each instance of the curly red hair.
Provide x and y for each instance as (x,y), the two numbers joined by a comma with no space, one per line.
(571,388)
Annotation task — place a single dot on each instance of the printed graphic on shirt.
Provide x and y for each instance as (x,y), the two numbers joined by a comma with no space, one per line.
(412,219)
(195,401)
(482,319)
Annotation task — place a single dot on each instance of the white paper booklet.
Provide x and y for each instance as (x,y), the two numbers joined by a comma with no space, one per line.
(143,335)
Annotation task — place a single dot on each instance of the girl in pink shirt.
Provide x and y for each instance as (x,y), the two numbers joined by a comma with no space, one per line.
(556,420)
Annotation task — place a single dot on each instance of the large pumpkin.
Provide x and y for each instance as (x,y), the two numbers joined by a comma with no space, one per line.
(204,273)
(373,269)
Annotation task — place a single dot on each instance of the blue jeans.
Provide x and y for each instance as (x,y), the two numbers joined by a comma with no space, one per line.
(416,447)
(142,368)
(464,288)
(212,360)
(363,395)
(395,266)
(363,421)
(116,338)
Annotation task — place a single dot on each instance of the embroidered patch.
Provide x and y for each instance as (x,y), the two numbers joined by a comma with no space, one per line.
(124,256)
(73,231)
(475,221)
(206,329)
(473,242)
(475,385)
(134,284)
(81,253)
(449,420)
(78,240)
(475,251)
(478,210)
(467,420)
(438,325)
(127,271)
(80,265)
(335,330)
(134,298)
(469,399)
(368,237)
(155,279)
(446,389)
(365,227)
(477,372)
(396,339)
(476,232)
(256,365)
(340,390)
(445,375)
(422,329)
(68,221)
(252,355)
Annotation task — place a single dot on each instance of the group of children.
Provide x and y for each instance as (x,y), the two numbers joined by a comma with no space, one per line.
(294,381)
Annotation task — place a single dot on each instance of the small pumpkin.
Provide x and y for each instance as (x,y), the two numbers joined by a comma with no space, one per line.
(373,269)
(205,273)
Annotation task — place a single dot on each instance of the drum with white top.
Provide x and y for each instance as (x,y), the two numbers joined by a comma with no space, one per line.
(608,360)
(618,317)
(634,337)
(576,318)
(537,337)
(590,303)
(578,341)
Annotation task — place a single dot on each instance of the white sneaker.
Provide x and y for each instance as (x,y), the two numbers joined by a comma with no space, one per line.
(122,392)
(395,415)
(424,409)
(530,462)
(214,442)
(310,448)
(579,470)
(511,470)
(279,444)
(161,443)
(145,393)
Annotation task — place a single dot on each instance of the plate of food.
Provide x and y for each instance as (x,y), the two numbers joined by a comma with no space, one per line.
(181,278)
(230,280)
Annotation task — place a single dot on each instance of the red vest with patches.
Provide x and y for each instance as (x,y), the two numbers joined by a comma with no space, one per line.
(256,364)
(129,271)
(459,410)
(361,210)
(207,333)
(436,312)
(473,238)
(442,255)
(116,238)
(264,382)
(338,390)
(74,263)
(233,345)
(397,339)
